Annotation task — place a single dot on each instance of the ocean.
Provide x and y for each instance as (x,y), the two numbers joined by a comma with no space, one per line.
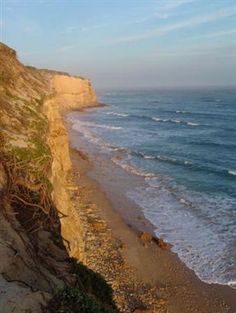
(182,143)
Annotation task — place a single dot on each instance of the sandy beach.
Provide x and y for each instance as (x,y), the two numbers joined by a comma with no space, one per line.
(144,276)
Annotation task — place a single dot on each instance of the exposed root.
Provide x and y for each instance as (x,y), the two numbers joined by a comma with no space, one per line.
(30,204)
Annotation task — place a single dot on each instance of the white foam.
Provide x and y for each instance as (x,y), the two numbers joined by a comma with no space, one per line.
(179,111)
(131,169)
(94,125)
(165,158)
(118,114)
(103,126)
(232,283)
(232,173)
(192,124)
(149,157)
(187,162)
(157,119)
(183,201)
(86,130)
(190,222)
(88,134)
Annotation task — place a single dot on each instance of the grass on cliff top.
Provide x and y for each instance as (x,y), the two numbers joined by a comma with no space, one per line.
(35,125)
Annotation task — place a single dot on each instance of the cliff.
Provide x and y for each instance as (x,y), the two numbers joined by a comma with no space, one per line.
(68,93)
(39,227)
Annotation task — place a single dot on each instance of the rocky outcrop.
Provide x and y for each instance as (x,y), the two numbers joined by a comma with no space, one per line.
(72,92)
(149,238)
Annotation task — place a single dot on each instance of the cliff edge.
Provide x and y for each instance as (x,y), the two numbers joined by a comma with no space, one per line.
(39,228)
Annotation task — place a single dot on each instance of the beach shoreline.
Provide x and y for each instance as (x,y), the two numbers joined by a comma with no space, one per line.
(179,289)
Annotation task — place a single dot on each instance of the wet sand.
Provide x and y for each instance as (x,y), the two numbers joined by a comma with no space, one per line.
(162,275)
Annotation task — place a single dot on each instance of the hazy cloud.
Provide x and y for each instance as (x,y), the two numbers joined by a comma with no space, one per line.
(70,29)
(28,29)
(171,5)
(197,20)
(213,51)
(215,34)
(92,27)
(165,10)
(67,48)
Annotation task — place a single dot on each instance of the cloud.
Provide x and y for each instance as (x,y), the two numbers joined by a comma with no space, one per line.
(217,51)
(194,21)
(165,10)
(92,27)
(171,5)
(215,34)
(154,15)
(70,29)
(67,48)
(31,28)
(28,29)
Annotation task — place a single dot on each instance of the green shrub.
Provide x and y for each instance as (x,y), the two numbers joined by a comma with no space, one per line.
(92,282)
(90,294)
(73,300)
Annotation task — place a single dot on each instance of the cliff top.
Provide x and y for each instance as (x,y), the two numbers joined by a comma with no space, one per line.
(4,49)
(11,68)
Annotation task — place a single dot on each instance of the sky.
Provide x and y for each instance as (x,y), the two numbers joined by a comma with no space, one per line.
(127,43)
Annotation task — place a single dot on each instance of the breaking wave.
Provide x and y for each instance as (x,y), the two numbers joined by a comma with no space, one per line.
(157,119)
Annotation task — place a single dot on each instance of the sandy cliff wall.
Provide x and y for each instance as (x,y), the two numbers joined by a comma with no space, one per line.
(68,93)
(72,92)
(39,228)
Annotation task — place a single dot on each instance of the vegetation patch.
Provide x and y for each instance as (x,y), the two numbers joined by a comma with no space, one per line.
(73,300)
(90,293)
(92,282)
(29,191)
(76,299)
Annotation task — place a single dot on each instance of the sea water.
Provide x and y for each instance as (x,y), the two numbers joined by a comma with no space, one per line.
(183,144)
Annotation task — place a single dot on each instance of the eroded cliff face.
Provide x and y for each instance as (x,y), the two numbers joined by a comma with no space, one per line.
(72,92)
(68,93)
(39,228)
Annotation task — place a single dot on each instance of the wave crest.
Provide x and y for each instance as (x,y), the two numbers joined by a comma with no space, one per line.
(157,119)
(118,114)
